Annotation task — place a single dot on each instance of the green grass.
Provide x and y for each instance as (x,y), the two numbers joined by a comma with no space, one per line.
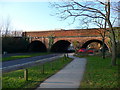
(100,74)
(23,56)
(15,79)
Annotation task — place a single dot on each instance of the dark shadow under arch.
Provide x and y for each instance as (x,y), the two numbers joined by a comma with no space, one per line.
(37,46)
(60,46)
(90,41)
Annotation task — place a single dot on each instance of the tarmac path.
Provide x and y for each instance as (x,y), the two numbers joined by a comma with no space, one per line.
(69,77)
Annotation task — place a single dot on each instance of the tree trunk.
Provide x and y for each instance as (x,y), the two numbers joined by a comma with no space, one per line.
(113,61)
(103,49)
(113,48)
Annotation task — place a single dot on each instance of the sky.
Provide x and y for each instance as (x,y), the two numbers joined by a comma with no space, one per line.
(32,16)
(29,16)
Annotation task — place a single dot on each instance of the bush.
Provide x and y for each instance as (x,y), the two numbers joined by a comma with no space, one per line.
(14,44)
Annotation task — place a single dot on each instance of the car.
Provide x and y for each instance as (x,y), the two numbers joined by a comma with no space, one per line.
(90,51)
(81,50)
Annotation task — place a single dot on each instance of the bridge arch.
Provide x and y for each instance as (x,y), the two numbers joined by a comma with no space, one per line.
(60,46)
(37,46)
(85,45)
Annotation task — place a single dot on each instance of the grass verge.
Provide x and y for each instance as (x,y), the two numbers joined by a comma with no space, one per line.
(36,75)
(100,74)
(23,56)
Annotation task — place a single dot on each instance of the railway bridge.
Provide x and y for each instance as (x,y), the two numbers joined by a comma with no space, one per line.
(61,40)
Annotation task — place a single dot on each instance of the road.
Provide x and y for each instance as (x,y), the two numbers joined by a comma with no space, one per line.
(14,54)
(26,60)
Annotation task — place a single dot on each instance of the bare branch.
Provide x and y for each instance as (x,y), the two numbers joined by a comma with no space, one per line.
(90,9)
(101,2)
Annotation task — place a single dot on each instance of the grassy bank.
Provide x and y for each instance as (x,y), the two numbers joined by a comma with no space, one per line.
(35,74)
(23,56)
(100,74)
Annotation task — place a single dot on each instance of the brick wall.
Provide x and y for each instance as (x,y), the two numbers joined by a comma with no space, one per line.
(80,35)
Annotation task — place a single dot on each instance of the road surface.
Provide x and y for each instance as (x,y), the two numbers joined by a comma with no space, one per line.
(26,60)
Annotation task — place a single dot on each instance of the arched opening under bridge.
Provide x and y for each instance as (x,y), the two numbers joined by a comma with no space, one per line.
(60,46)
(37,46)
(96,44)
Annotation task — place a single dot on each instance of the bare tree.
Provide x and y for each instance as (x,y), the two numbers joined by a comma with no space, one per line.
(1,28)
(90,10)
(5,27)
(116,7)
(100,23)
(103,32)
(16,33)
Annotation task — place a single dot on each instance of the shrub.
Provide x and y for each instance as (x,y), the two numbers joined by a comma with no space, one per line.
(14,44)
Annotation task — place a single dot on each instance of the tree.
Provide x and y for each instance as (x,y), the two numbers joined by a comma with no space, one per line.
(117,36)
(100,23)
(14,44)
(103,32)
(89,10)
(76,45)
(1,28)
(51,40)
(5,27)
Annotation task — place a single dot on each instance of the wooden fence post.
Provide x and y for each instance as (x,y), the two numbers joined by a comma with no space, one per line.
(26,74)
(67,55)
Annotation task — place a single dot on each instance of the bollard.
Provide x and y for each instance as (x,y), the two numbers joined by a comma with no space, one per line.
(67,55)
(26,74)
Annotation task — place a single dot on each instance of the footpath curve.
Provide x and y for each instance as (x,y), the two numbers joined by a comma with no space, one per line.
(69,77)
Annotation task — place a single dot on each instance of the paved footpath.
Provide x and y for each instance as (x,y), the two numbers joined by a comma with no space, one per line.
(69,77)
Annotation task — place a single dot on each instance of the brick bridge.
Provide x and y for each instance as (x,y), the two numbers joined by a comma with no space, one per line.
(60,40)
